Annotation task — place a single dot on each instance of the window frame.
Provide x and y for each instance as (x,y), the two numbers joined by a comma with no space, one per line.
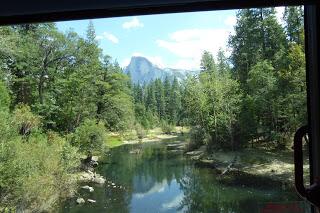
(35,11)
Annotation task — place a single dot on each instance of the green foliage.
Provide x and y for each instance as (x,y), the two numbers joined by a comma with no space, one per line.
(262,90)
(269,63)
(69,154)
(4,98)
(114,141)
(116,109)
(198,137)
(207,62)
(167,127)
(61,77)
(35,175)
(140,131)
(223,65)
(258,36)
(294,18)
(89,137)
(212,102)
(24,120)
(158,101)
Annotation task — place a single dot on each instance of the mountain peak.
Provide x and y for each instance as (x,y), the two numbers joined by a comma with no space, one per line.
(139,61)
(137,57)
(143,71)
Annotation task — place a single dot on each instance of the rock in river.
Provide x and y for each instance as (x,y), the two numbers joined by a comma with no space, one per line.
(91,189)
(92,177)
(80,200)
(135,151)
(91,201)
(99,179)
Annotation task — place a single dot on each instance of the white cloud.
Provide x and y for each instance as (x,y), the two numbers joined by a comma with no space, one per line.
(279,14)
(186,64)
(125,62)
(156,60)
(174,203)
(230,21)
(99,37)
(133,23)
(109,37)
(158,187)
(189,45)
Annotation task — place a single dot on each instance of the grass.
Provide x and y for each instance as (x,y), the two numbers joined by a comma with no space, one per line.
(114,141)
(117,139)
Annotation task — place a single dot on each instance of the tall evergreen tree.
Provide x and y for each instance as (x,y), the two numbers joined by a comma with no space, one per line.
(258,36)
(222,62)
(207,62)
(294,18)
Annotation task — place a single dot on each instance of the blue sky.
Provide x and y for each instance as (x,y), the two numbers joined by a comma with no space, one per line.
(168,40)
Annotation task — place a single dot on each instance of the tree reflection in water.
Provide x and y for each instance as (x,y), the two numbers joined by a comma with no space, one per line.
(156,180)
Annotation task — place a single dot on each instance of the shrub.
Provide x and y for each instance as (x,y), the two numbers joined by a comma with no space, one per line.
(37,175)
(141,132)
(6,130)
(70,157)
(89,137)
(24,120)
(166,127)
(197,138)
(4,98)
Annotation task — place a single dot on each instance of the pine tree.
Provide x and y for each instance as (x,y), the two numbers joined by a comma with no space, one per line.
(222,62)
(207,62)
(174,102)
(294,18)
(159,92)
(258,36)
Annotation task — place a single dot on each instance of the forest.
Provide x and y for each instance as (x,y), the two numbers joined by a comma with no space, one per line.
(60,97)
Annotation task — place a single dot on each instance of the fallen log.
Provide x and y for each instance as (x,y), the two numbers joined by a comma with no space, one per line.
(230,166)
(205,163)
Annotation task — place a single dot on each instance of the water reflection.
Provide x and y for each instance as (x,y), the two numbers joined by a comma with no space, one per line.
(156,188)
(155,180)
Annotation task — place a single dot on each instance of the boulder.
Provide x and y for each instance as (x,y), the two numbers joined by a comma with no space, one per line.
(98,179)
(135,151)
(85,176)
(91,201)
(92,177)
(95,158)
(91,189)
(80,200)
(195,153)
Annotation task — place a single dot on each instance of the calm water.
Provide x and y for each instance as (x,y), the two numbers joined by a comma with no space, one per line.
(153,179)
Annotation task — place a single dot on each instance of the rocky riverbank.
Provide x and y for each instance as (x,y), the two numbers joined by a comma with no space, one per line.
(87,177)
(249,166)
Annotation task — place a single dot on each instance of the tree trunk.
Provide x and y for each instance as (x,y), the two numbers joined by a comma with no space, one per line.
(40,88)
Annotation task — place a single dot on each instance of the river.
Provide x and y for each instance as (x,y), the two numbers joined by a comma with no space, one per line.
(147,178)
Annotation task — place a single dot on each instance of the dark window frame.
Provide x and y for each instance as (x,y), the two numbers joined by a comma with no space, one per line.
(33,11)
(19,11)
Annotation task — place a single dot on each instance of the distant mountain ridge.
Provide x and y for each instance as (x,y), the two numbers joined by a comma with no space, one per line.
(143,71)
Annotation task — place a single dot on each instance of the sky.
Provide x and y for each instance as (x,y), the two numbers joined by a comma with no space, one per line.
(167,40)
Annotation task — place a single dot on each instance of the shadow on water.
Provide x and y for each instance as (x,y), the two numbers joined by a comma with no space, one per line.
(149,178)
